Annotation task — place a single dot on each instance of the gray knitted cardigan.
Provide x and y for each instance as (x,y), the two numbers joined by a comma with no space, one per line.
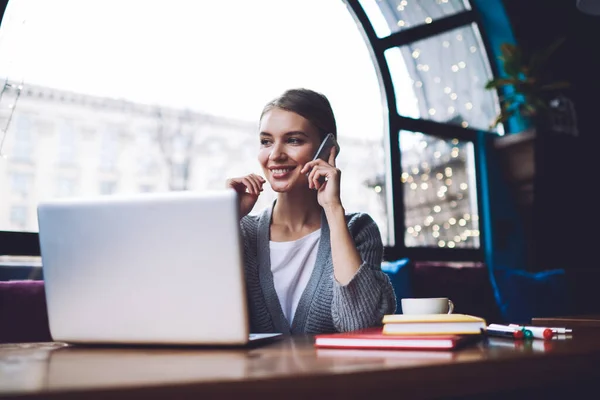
(325,305)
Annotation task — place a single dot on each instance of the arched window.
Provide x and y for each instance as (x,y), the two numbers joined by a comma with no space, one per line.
(433,66)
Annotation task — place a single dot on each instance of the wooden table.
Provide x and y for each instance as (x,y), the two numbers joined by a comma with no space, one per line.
(577,322)
(293,368)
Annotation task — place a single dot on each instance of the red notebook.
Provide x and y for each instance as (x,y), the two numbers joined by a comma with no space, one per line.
(374,339)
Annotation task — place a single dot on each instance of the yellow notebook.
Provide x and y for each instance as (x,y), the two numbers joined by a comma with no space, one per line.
(432,324)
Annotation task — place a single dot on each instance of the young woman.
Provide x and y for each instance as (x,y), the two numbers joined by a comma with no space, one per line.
(310,267)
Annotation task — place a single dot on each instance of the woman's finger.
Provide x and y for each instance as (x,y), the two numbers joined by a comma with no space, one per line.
(311,164)
(259,178)
(332,156)
(236,184)
(311,177)
(258,181)
(307,167)
(250,185)
(319,176)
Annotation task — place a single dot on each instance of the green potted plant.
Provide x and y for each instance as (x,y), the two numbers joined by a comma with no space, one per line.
(528,90)
(527,93)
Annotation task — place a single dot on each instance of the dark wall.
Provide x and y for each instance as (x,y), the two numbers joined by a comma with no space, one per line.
(565,204)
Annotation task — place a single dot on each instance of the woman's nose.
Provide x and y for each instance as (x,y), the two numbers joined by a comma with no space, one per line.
(277,152)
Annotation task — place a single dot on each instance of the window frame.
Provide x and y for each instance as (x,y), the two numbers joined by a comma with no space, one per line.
(396,123)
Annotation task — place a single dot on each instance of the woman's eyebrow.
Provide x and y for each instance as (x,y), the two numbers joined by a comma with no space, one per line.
(290,133)
(296,133)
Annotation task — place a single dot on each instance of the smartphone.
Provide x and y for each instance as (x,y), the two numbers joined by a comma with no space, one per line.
(325,148)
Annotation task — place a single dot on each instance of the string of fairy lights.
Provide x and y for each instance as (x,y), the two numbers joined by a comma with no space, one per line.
(438,202)
(446,74)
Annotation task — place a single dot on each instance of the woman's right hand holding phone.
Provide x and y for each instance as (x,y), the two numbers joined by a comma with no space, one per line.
(248,188)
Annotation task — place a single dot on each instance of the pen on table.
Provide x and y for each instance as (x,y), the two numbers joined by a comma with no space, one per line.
(539,332)
(503,331)
(562,336)
(561,330)
(527,334)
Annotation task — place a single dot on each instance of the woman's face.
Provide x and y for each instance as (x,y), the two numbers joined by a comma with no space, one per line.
(287,142)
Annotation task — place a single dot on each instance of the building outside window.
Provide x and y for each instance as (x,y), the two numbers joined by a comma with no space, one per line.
(18,216)
(146,189)
(67,146)
(21,183)
(109,149)
(23,147)
(66,187)
(108,187)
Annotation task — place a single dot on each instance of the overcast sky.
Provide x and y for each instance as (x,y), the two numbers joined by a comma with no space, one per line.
(222,57)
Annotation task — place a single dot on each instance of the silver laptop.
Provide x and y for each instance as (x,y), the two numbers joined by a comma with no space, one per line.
(145,269)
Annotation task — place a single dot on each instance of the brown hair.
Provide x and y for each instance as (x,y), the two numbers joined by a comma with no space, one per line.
(313,106)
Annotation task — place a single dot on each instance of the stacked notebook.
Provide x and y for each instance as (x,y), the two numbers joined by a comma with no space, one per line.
(433,324)
(423,332)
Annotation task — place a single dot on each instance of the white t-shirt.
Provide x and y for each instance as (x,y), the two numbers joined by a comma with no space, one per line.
(292,264)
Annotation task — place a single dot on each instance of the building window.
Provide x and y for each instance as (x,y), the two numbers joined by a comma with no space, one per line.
(109,148)
(23,145)
(67,151)
(148,153)
(21,183)
(108,187)
(146,189)
(18,217)
(66,187)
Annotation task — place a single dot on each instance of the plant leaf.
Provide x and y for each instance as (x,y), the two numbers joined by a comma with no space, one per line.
(512,56)
(528,109)
(498,82)
(508,50)
(501,118)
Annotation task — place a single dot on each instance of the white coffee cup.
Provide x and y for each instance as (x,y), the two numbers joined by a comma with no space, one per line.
(429,305)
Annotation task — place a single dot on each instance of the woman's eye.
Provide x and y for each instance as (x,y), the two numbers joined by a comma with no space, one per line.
(294,141)
(264,142)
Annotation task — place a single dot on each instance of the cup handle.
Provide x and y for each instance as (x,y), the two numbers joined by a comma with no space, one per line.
(450,306)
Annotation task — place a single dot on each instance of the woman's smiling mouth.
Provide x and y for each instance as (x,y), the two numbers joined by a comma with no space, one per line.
(281,172)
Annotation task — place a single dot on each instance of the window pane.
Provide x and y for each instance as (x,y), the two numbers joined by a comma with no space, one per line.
(390,16)
(67,144)
(440,197)
(23,145)
(443,78)
(21,183)
(118,110)
(18,216)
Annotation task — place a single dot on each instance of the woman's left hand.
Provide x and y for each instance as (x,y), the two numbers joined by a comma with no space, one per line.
(325,178)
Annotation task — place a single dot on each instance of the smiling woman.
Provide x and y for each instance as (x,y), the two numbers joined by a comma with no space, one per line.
(310,266)
(147,96)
